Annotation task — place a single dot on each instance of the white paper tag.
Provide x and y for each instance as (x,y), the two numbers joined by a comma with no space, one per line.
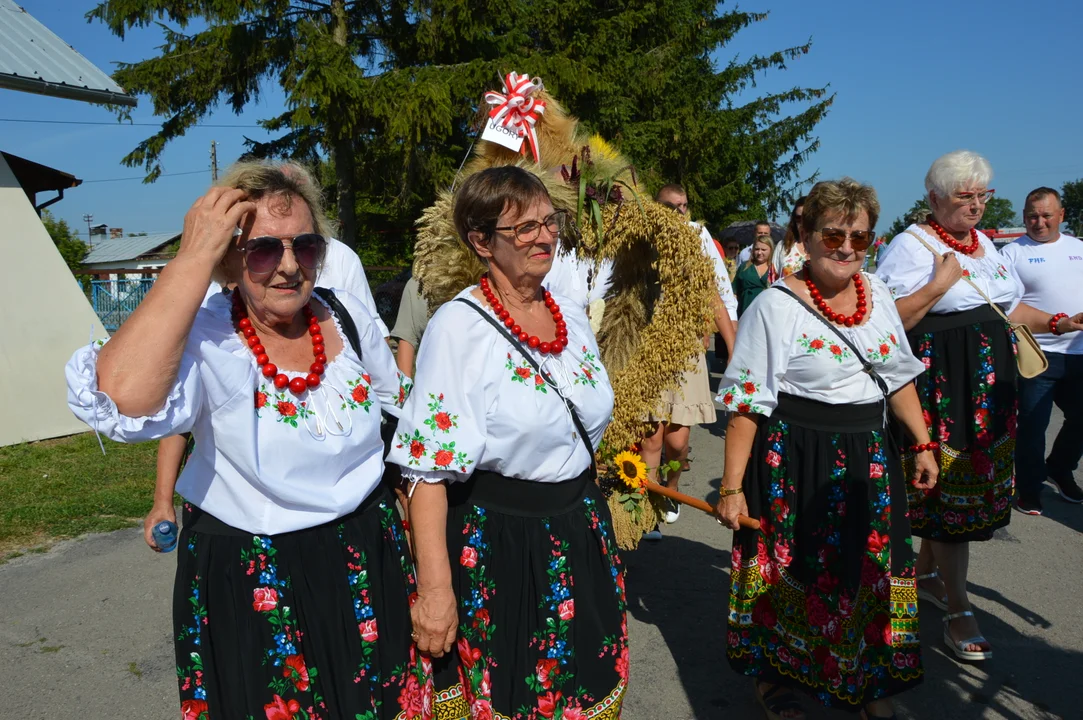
(497,133)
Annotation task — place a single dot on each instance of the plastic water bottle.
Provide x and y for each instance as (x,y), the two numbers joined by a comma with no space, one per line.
(165,536)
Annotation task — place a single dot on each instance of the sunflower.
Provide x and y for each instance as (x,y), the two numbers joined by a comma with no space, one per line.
(631,469)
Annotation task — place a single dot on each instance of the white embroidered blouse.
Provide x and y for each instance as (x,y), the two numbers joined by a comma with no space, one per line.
(264,461)
(906,266)
(478,404)
(783,348)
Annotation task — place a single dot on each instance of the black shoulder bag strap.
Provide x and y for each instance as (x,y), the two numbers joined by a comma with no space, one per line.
(389,423)
(865,364)
(343,315)
(546,376)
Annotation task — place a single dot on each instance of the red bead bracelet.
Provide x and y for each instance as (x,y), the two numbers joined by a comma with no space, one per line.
(1053,323)
(922,447)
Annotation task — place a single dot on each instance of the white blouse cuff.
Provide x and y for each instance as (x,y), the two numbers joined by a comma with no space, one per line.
(431,476)
(97,409)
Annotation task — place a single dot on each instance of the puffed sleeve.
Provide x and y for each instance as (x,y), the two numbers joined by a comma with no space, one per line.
(98,410)
(903,366)
(442,430)
(760,356)
(905,265)
(388,382)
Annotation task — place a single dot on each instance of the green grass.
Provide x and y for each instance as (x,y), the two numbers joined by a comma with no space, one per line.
(63,488)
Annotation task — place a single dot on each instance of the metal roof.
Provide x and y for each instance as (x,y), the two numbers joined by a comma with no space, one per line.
(33,59)
(127,248)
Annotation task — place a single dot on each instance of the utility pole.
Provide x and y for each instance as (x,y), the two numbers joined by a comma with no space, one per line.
(87,218)
(214,161)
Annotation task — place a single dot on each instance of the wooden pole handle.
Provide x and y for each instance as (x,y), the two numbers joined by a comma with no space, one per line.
(743,520)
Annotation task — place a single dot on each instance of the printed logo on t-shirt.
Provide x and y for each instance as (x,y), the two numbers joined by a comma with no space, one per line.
(1075,257)
(1034,261)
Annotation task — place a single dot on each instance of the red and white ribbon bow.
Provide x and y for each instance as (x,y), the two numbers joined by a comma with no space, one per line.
(517,109)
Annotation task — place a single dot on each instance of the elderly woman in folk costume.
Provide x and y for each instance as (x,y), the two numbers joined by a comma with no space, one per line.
(293,575)
(823,596)
(515,550)
(946,277)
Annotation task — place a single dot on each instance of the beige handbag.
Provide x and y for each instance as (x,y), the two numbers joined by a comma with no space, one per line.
(1029,357)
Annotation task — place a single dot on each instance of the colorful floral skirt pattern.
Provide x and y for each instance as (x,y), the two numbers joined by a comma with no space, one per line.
(307,625)
(824,595)
(542,630)
(968,397)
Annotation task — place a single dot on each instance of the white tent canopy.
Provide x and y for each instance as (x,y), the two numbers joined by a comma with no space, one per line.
(46,317)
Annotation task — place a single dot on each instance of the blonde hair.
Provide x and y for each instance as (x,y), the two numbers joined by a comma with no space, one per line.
(846,197)
(764,241)
(284,179)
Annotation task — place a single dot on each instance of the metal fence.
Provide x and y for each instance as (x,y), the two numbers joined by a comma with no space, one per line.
(115,300)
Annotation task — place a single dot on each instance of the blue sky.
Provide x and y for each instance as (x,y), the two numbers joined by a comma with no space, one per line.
(911,81)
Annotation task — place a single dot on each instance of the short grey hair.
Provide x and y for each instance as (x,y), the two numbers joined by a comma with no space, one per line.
(263,178)
(955,170)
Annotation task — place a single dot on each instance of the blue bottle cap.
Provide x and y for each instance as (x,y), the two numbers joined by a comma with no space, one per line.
(163,527)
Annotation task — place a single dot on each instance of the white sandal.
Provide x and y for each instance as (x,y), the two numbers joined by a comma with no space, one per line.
(959,646)
(940,602)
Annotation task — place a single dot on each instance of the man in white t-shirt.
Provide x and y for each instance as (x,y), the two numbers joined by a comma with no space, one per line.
(1050,265)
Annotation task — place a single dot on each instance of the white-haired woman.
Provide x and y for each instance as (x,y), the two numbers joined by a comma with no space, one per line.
(968,392)
(293,577)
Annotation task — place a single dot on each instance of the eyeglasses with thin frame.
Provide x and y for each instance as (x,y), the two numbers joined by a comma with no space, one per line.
(529,231)
(833,238)
(263,255)
(982,197)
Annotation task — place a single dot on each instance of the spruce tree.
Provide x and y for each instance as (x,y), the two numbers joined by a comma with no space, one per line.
(389,91)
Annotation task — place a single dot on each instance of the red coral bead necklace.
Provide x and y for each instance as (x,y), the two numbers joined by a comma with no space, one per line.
(267,368)
(533,341)
(951,242)
(839,318)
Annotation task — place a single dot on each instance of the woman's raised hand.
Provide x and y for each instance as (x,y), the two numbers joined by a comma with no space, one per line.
(434,617)
(210,223)
(948,271)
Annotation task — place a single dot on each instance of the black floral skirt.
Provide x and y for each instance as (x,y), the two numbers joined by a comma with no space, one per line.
(542,630)
(824,594)
(306,625)
(968,397)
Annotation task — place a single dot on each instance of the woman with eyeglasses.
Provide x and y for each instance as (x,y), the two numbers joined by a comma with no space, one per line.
(968,392)
(823,596)
(293,575)
(520,587)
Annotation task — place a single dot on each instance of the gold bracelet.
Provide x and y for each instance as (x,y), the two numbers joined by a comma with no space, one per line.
(726,492)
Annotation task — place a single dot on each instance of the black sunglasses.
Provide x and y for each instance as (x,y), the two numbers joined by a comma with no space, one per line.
(262,255)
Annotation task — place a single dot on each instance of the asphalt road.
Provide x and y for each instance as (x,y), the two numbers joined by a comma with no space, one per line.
(85,627)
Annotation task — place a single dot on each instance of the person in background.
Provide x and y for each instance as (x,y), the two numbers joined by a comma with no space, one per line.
(730,250)
(410,325)
(293,574)
(790,255)
(968,392)
(1050,265)
(692,402)
(341,268)
(755,275)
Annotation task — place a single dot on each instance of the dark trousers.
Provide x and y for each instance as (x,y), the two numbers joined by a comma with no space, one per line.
(1062,384)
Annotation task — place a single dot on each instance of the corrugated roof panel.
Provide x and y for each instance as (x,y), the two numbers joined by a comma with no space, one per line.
(34,59)
(127,248)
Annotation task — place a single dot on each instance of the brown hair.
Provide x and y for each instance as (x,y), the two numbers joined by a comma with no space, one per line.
(847,197)
(673,188)
(792,231)
(1042,192)
(486,195)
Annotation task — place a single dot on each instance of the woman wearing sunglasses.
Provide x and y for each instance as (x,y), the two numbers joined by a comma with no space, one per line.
(970,410)
(293,581)
(518,574)
(824,595)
